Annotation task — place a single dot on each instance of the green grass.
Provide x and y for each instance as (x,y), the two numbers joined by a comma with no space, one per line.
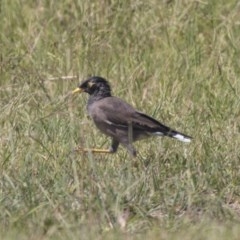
(175,60)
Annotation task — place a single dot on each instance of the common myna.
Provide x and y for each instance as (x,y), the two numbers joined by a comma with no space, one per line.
(119,120)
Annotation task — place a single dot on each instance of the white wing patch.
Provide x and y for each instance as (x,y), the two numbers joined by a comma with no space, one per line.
(108,122)
(157,133)
(114,124)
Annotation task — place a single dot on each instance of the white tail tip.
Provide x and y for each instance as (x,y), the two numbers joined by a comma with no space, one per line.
(182,138)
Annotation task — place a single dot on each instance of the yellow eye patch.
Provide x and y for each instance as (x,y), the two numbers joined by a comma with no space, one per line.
(90,84)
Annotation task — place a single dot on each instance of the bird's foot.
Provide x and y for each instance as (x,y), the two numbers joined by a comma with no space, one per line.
(92,150)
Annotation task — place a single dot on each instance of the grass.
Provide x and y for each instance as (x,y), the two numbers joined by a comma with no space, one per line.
(175,60)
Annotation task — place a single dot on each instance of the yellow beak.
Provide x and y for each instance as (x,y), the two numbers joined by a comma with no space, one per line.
(77,90)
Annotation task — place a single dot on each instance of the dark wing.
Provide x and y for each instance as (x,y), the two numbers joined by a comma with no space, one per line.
(149,124)
(119,113)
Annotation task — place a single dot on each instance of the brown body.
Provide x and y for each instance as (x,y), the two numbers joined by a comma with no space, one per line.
(119,120)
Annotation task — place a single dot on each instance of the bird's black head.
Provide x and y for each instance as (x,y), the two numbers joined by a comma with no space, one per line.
(96,86)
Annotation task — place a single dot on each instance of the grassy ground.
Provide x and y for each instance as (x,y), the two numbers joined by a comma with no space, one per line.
(176,60)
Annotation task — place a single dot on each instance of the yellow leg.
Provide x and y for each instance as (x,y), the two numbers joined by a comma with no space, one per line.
(93,150)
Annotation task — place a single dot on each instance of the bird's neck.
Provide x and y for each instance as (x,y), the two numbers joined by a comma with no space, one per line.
(100,93)
(98,96)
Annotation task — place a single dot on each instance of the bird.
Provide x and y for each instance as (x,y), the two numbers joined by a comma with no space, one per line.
(119,120)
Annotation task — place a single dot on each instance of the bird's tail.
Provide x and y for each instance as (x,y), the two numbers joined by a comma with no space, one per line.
(179,136)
